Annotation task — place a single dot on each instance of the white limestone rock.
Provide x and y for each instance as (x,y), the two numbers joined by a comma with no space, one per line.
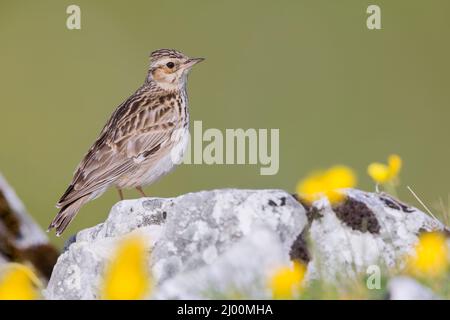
(404,288)
(187,233)
(367,229)
(242,271)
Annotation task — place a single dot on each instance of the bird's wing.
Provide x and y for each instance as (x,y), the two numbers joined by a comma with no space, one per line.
(140,133)
(101,166)
(135,131)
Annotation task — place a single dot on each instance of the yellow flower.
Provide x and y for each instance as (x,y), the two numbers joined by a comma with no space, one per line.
(395,164)
(287,281)
(127,277)
(382,173)
(326,183)
(431,255)
(18,282)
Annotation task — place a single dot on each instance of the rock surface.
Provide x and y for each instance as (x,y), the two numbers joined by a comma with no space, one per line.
(404,288)
(242,271)
(367,229)
(188,233)
(214,243)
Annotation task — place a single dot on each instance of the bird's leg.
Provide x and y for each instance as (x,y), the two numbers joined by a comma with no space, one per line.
(120,193)
(139,189)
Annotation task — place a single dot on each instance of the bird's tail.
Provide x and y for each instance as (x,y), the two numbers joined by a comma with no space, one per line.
(66,215)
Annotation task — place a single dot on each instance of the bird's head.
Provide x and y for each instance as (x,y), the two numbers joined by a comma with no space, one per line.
(169,68)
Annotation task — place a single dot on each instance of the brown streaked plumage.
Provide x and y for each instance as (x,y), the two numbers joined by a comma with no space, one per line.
(144,138)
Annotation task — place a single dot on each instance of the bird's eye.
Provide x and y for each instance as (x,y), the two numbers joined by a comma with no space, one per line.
(170,65)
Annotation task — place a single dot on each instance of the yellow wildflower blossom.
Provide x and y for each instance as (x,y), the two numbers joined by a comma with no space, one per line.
(18,282)
(287,281)
(431,255)
(395,164)
(382,173)
(326,183)
(127,277)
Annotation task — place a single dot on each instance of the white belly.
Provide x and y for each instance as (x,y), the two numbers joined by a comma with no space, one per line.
(169,161)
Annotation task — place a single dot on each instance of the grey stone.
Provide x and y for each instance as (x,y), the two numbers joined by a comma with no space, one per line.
(242,271)
(347,245)
(404,288)
(186,233)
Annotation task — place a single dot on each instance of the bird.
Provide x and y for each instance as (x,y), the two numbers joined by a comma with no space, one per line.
(143,140)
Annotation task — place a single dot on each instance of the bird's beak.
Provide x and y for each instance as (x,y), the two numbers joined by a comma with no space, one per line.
(192,61)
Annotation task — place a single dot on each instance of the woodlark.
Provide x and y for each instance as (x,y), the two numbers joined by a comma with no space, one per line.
(143,140)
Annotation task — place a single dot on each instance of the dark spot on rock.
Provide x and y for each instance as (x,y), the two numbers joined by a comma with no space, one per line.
(272,203)
(357,216)
(42,256)
(155,219)
(447,232)
(422,230)
(406,209)
(306,205)
(312,213)
(390,204)
(396,205)
(299,249)
(8,218)
(8,248)
(72,239)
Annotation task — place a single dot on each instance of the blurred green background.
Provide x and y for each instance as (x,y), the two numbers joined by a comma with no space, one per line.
(338,92)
